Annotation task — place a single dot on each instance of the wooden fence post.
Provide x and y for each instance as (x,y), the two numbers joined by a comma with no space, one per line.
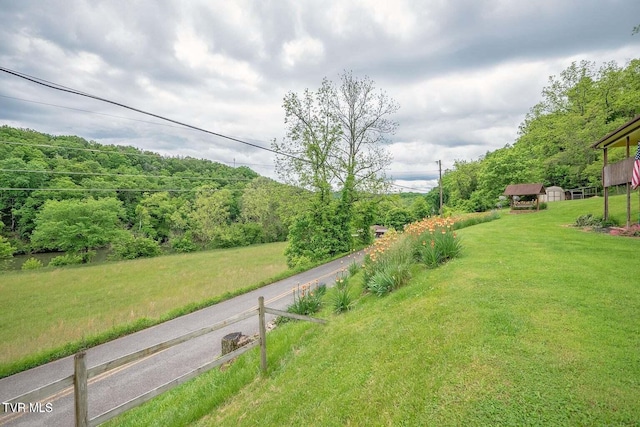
(80,390)
(263,336)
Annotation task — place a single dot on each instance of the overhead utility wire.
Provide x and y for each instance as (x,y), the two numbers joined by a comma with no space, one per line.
(97,150)
(123,175)
(57,86)
(103,189)
(91,112)
(76,92)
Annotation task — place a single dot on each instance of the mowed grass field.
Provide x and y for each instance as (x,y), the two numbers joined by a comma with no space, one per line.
(45,309)
(537,323)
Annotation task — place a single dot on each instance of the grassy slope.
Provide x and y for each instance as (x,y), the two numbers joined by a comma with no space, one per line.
(536,324)
(45,309)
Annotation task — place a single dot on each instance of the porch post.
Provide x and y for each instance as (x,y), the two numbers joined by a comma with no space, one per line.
(606,189)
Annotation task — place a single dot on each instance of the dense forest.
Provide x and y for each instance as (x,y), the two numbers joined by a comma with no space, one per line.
(63,193)
(554,142)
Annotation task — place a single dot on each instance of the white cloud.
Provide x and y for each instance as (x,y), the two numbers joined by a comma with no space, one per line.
(197,54)
(302,51)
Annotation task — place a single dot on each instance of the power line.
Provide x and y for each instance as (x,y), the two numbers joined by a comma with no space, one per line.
(91,112)
(133,154)
(122,174)
(94,150)
(124,153)
(102,189)
(61,88)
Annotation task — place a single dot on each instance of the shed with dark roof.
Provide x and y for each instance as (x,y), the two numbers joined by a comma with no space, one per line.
(527,191)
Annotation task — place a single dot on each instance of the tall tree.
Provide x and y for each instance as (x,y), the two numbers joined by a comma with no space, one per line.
(334,140)
(78,225)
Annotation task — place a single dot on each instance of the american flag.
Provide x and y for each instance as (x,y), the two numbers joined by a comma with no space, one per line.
(635,179)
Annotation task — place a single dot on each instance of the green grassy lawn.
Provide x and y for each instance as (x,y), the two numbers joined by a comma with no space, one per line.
(536,323)
(45,309)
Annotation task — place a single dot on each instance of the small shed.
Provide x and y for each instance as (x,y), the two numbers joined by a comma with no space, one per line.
(526,191)
(554,194)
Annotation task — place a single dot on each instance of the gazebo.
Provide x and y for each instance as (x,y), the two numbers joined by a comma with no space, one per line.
(517,190)
(626,136)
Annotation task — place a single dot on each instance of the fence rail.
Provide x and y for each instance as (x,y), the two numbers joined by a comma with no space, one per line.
(79,379)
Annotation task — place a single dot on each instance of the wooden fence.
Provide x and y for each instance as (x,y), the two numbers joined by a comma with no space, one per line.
(81,374)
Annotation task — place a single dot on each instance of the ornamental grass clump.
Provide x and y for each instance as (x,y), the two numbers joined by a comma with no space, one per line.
(341,298)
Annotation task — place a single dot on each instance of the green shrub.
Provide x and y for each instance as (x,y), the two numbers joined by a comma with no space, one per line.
(132,247)
(298,262)
(588,220)
(68,259)
(184,243)
(31,264)
(433,249)
(6,253)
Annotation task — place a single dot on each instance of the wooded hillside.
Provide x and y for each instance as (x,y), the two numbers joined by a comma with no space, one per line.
(66,193)
(554,143)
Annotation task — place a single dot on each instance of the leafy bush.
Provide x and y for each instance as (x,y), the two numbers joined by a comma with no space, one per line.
(184,243)
(438,249)
(68,259)
(298,262)
(428,254)
(589,220)
(6,253)
(132,247)
(316,235)
(31,264)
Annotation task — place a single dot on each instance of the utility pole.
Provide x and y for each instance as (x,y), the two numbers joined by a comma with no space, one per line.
(440,183)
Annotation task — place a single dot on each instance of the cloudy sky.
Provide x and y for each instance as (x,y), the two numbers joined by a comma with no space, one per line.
(465,72)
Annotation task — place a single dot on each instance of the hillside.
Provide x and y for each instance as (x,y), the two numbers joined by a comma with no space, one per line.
(535,324)
(55,187)
(577,108)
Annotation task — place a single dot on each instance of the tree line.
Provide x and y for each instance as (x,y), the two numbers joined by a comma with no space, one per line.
(64,193)
(578,107)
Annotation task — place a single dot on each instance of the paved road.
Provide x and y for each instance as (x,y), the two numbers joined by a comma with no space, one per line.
(115,387)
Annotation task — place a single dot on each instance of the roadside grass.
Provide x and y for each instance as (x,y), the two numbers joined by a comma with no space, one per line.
(536,323)
(50,313)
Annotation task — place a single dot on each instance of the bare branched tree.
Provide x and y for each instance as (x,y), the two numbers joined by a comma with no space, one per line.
(337,136)
(364,115)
